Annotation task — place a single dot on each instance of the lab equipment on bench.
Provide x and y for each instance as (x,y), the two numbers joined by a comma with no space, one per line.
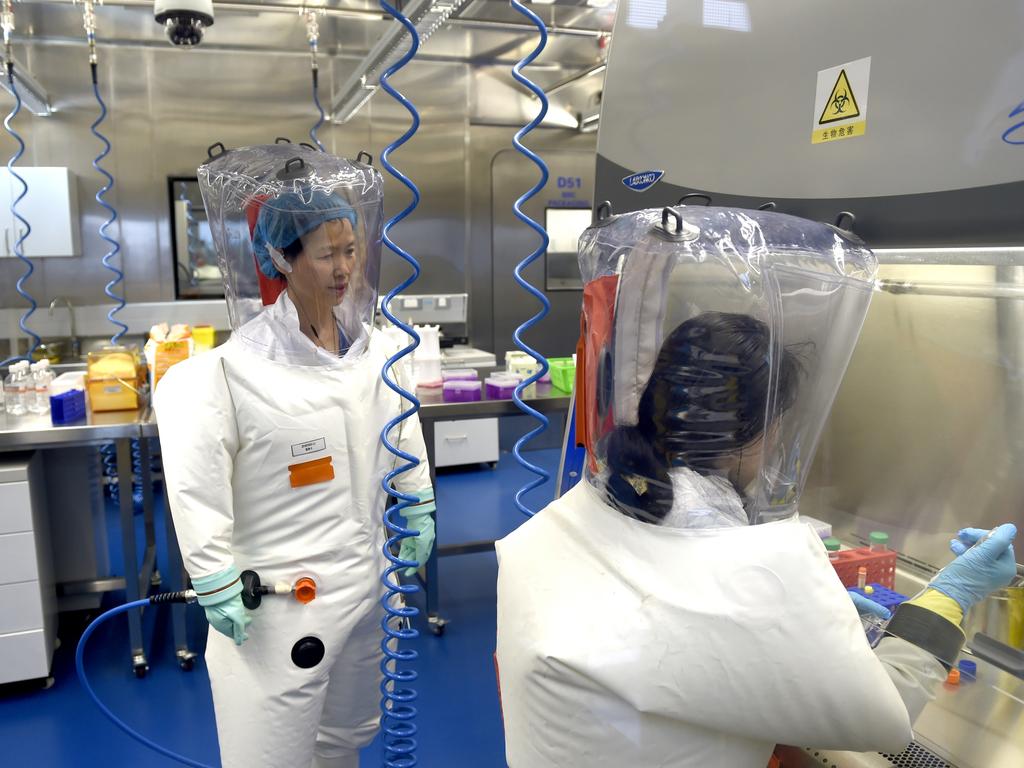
(113,379)
(460,391)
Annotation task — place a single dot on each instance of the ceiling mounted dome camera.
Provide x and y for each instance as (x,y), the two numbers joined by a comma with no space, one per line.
(184,21)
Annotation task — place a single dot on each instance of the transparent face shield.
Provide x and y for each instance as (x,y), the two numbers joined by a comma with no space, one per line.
(715,340)
(298,236)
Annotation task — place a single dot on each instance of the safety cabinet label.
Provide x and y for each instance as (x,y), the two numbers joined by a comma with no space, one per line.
(841,102)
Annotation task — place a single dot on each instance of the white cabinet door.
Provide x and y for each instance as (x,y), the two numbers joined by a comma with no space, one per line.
(50,207)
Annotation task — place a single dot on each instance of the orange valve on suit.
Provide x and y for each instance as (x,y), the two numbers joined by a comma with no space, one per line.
(305,590)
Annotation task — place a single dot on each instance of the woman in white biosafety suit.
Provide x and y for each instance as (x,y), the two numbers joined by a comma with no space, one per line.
(273,461)
(671,609)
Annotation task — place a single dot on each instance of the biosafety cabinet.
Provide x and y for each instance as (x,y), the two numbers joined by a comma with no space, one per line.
(28,605)
(910,117)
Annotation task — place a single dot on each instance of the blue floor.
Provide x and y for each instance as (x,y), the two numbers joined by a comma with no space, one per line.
(459,718)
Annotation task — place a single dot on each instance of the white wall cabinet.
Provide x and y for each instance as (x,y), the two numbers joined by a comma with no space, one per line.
(50,207)
(28,604)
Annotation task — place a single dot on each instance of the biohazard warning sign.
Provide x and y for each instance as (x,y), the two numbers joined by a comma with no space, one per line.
(841,102)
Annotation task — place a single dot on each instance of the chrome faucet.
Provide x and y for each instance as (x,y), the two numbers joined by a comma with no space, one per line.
(76,345)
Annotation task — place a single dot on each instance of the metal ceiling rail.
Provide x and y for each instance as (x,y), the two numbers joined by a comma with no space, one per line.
(209,48)
(240,6)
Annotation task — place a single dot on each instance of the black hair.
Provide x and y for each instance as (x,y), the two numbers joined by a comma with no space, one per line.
(293,249)
(707,397)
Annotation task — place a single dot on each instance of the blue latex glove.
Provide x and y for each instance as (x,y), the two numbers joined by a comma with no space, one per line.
(984,563)
(221,598)
(417,548)
(867,607)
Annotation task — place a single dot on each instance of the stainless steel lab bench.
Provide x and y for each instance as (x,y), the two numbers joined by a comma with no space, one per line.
(433,409)
(36,433)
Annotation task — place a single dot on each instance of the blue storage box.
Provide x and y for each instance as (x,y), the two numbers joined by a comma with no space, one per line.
(67,407)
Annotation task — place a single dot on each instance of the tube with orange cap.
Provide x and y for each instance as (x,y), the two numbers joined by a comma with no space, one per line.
(253,591)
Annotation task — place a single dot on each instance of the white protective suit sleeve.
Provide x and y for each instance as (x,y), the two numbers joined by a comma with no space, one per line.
(198,443)
(913,671)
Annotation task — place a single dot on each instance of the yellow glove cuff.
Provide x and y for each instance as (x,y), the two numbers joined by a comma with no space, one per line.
(945,606)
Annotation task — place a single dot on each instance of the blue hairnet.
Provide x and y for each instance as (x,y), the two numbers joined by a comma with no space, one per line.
(288,217)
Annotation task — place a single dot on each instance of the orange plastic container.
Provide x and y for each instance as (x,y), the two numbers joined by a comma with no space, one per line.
(881,566)
(112,379)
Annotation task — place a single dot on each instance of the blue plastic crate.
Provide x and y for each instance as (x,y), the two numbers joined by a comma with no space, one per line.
(67,407)
(884,597)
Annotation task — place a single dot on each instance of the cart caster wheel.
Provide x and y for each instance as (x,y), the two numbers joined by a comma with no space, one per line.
(141,670)
(47,684)
(156,579)
(186,664)
(56,643)
(492,464)
(437,629)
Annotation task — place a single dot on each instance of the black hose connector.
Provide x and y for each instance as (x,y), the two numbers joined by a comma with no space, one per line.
(252,590)
(183,596)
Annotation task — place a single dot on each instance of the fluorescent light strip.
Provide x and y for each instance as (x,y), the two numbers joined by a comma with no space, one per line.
(597,69)
(727,14)
(427,16)
(33,96)
(646,14)
(588,123)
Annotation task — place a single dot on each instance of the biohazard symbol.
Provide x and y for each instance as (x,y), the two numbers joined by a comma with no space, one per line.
(841,104)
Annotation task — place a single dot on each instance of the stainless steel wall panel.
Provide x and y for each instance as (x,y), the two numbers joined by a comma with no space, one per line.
(248,83)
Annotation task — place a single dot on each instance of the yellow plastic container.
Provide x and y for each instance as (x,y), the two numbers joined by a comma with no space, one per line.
(112,379)
(204,337)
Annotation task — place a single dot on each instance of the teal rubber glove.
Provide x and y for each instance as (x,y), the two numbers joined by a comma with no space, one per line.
(867,607)
(984,563)
(418,547)
(221,598)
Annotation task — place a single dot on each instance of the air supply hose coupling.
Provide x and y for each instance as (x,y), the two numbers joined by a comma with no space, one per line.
(253,591)
(184,596)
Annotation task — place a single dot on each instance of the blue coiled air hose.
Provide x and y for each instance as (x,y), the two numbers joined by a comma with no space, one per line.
(517,72)
(313,35)
(316,100)
(397,705)
(19,243)
(167,597)
(115,246)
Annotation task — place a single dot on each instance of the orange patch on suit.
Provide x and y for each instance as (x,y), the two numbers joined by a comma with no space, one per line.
(311,472)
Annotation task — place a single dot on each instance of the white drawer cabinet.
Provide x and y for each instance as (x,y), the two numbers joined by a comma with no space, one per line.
(469,441)
(21,607)
(18,560)
(25,656)
(15,508)
(28,620)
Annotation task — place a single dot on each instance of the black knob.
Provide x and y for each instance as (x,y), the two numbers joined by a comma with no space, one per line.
(252,596)
(308,652)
